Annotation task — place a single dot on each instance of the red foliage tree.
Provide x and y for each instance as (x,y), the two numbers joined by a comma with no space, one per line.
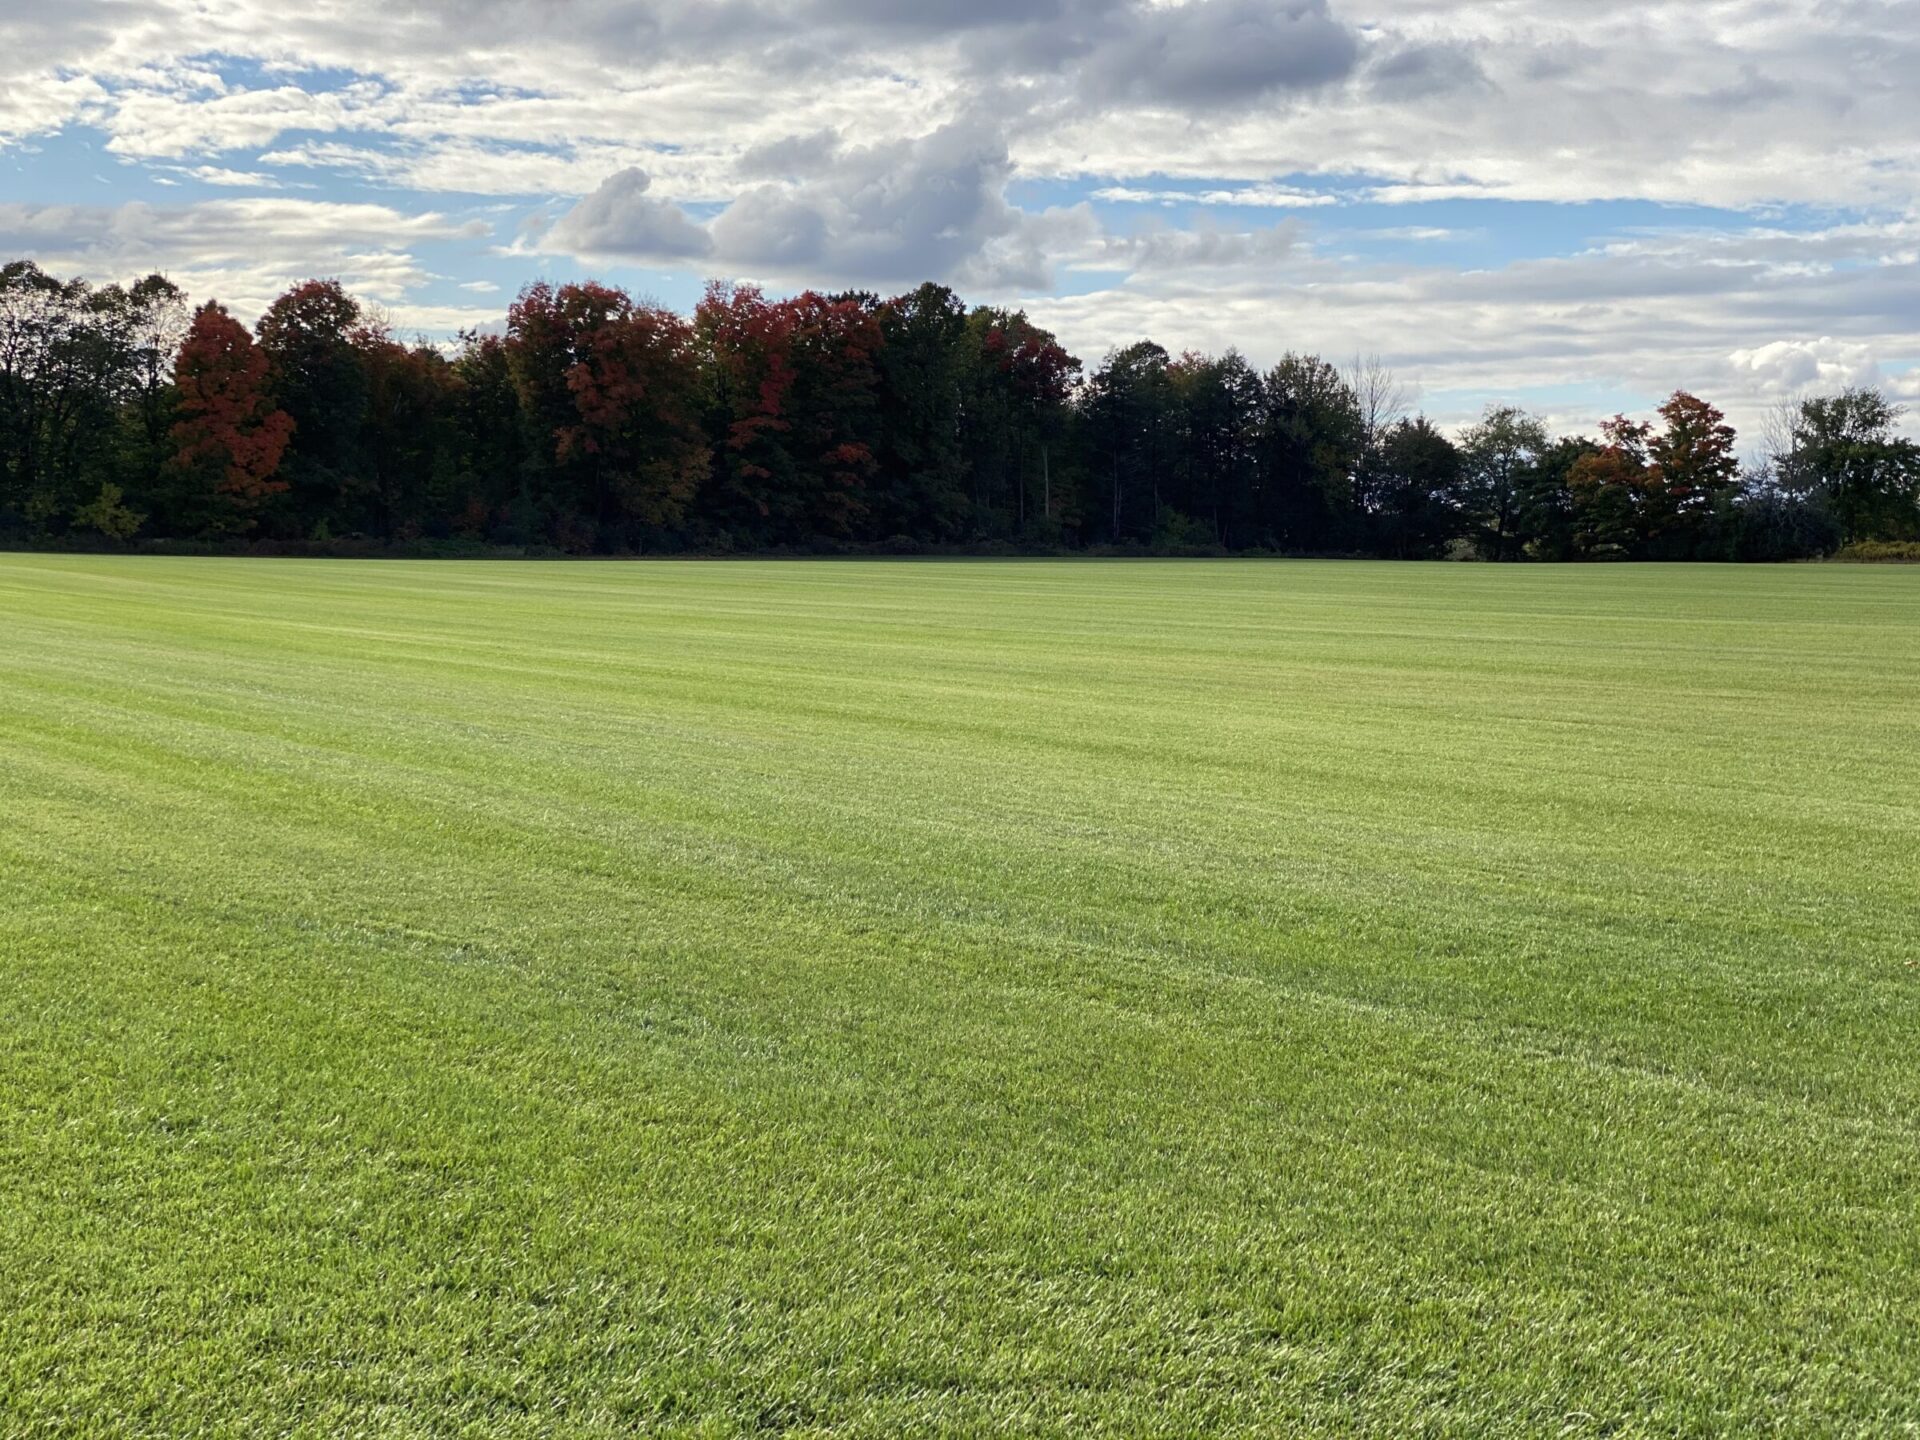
(1037,367)
(1649,492)
(615,388)
(746,341)
(636,390)
(229,433)
(795,390)
(1692,463)
(1610,491)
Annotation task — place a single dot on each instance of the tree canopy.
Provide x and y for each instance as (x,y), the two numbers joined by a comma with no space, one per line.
(597,424)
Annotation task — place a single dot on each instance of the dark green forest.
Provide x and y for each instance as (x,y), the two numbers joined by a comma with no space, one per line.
(596,424)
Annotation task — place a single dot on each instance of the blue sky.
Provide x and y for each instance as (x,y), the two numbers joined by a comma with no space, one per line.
(1578,207)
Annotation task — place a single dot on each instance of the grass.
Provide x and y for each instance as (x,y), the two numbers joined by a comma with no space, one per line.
(866,999)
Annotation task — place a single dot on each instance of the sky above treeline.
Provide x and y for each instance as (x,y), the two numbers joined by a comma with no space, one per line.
(1574,204)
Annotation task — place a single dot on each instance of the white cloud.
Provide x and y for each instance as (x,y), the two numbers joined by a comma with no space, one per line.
(166,119)
(1266,196)
(1744,322)
(1736,103)
(241,251)
(1206,247)
(893,212)
(1793,367)
(235,179)
(619,220)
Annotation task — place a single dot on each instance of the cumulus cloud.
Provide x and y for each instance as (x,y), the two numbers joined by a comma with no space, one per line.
(771,230)
(43,36)
(893,211)
(620,221)
(790,157)
(1195,56)
(1793,367)
(165,119)
(230,179)
(890,214)
(886,213)
(230,226)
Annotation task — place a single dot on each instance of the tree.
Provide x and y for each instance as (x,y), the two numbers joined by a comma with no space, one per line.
(1378,395)
(313,338)
(1844,448)
(1017,382)
(833,408)
(1418,491)
(157,317)
(637,394)
(1312,435)
(1783,511)
(1217,430)
(1498,454)
(1610,492)
(746,349)
(1770,524)
(1381,401)
(1127,421)
(410,445)
(920,489)
(1545,522)
(1774,460)
(105,515)
(230,437)
(38,314)
(64,368)
(793,393)
(494,498)
(598,423)
(1692,472)
(611,392)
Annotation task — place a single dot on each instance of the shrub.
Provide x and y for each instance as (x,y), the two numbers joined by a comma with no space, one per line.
(1178,534)
(1881,552)
(107,517)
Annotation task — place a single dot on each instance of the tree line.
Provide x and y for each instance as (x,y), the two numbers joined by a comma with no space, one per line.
(598,424)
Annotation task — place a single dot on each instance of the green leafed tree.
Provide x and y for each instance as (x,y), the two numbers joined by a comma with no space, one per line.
(312,339)
(1418,491)
(1846,449)
(1499,454)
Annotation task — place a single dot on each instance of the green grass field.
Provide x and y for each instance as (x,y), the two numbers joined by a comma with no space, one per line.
(869,999)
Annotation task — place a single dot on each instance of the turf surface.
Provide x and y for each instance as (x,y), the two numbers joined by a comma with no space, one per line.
(1032,998)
